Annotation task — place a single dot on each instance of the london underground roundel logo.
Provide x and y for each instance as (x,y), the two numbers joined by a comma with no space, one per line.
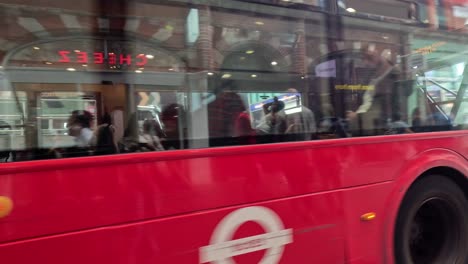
(222,248)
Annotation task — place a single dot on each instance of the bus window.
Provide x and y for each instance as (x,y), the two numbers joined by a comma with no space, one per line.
(199,78)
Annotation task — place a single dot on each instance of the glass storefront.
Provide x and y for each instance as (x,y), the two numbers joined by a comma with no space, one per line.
(213,75)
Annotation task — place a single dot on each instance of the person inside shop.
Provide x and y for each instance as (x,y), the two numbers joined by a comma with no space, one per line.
(228,120)
(129,141)
(173,118)
(243,129)
(330,126)
(273,125)
(105,143)
(301,125)
(79,127)
(149,136)
(5,153)
(417,121)
(377,100)
(398,126)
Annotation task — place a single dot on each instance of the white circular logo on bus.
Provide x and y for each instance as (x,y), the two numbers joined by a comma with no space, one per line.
(222,248)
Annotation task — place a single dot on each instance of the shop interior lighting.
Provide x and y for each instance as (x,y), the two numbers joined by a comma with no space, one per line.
(138,71)
(226,76)
(36,48)
(71,69)
(149,56)
(253,76)
(274,63)
(351,10)
(260,23)
(250,52)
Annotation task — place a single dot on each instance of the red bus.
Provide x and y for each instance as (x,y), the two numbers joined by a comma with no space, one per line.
(299,131)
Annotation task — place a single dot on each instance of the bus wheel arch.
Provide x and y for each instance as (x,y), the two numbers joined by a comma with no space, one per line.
(442,162)
(430,225)
(454,175)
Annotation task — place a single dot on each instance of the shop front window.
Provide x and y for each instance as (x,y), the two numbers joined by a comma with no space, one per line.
(143,76)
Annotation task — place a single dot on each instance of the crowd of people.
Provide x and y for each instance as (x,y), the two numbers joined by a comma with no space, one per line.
(104,139)
(229,122)
(228,118)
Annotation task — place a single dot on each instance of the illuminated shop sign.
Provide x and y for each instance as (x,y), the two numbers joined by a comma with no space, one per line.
(67,56)
(326,69)
(431,48)
(460,11)
(355,87)
(286,98)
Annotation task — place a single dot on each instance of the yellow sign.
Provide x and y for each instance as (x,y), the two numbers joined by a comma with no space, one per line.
(355,87)
(431,48)
(6,205)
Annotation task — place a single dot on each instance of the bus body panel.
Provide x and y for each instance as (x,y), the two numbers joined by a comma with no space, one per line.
(314,224)
(91,192)
(363,238)
(372,242)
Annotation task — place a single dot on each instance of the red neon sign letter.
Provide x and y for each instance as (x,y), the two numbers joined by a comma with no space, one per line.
(125,59)
(112,59)
(98,57)
(143,60)
(82,57)
(64,56)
